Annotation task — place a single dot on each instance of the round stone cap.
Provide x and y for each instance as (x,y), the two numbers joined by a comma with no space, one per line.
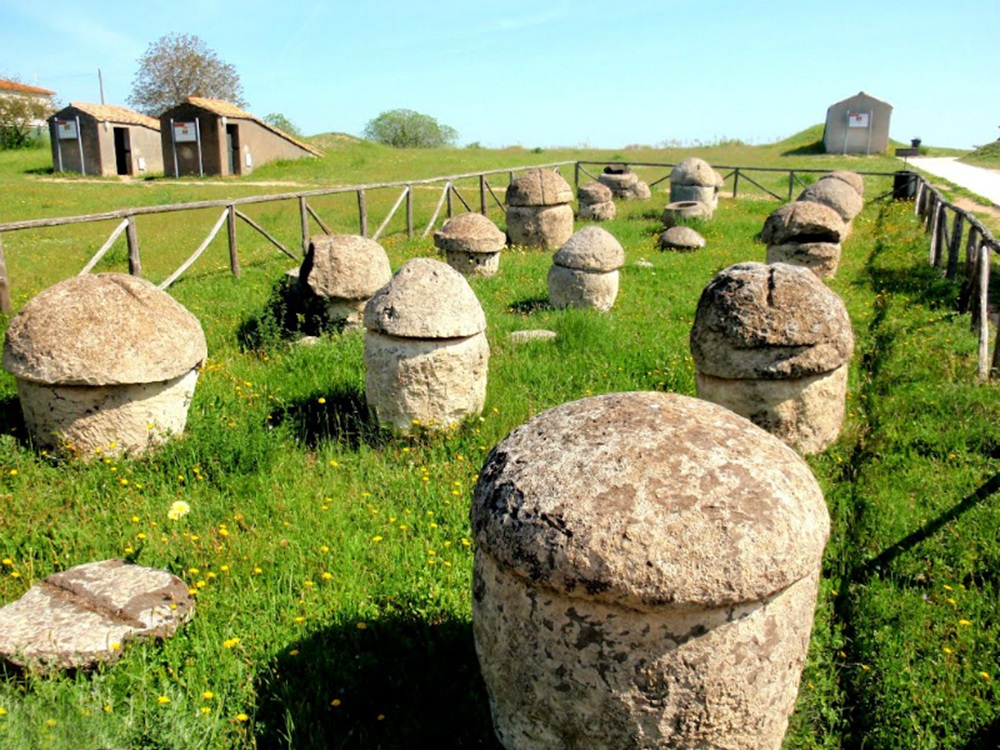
(103,329)
(649,500)
(469,233)
(768,322)
(681,238)
(803,221)
(539,187)
(853,179)
(695,171)
(591,249)
(836,194)
(345,266)
(594,192)
(425,299)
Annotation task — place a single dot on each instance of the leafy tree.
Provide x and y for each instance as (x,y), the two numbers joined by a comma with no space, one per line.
(404,128)
(177,66)
(283,124)
(18,115)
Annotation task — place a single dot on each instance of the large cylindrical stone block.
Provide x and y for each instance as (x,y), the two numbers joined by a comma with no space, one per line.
(546,227)
(342,272)
(436,382)
(426,353)
(471,244)
(645,576)
(571,287)
(698,193)
(772,343)
(822,258)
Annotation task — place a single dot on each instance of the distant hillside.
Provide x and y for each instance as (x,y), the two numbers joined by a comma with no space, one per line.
(332,141)
(984,156)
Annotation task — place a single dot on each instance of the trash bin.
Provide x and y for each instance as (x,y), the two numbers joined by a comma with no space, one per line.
(904,185)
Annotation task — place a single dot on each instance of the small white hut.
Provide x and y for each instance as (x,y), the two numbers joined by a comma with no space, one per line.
(857,125)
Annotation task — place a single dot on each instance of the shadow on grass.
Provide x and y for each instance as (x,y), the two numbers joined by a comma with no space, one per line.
(288,314)
(987,738)
(41,171)
(808,149)
(12,421)
(529,306)
(343,417)
(890,553)
(402,682)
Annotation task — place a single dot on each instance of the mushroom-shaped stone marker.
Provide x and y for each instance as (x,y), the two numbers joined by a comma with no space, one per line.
(105,363)
(83,616)
(624,183)
(773,343)
(853,179)
(693,179)
(584,271)
(471,244)
(804,233)
(343,271)
(539,213)
(681,239)
(836,194)
(426,354)
(645,576)
(596,202)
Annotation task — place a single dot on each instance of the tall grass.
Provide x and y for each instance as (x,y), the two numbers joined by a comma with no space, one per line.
(331,562)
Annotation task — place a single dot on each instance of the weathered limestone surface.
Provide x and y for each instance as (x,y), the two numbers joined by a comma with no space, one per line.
(836,194)
(342,272)
(695,171)
(538,187)
(436,382)
(584,271)
(822,258)
(803,222)
(697,193)
(598,211)
(683,211)
(471,244)
(85,615)
(645,576)
(853,179)
(772,342)
(104,362)
(540,334)
(681,239)
(426,353)
(547,227)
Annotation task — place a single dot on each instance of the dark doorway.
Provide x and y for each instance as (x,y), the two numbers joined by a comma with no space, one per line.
(233,148)
(123,151)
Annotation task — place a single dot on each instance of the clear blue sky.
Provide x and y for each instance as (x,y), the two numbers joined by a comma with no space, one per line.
(564,72)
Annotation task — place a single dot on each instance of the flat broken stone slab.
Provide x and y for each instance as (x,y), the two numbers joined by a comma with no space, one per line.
(520,337)
(84,615)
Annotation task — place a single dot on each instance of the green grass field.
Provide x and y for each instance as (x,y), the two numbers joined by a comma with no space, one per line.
(332,562)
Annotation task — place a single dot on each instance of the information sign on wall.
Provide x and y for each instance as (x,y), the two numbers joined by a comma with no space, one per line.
(66,129)
(857,119)
(185,132)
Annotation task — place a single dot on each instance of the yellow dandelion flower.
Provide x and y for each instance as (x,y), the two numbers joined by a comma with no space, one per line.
(326,576)
(242,718)
(300,618)
(293,652)
(334,464)
(376,539)
(335,702)
(205,710)
(51,722)
(324,549)
(321,400)
(948,650)
(224,568)
(948,588)
(208,695)
(8,562)
(257,571)
(230,642)
(163,700)
(362,626)
(985,675)
(964,622)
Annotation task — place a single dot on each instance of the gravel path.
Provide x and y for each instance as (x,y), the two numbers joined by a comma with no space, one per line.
(982,182)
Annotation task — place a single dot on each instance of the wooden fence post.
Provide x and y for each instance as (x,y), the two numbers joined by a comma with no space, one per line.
(132,240)
(791,183)
(482,194)
(919,200)
(451,208)
(576,177)
(955,246)
(362,214)
(5,306)
(304,220)
(971,270)
(234,256)
(409,212)
(982,304)
(935,235)
(736,181)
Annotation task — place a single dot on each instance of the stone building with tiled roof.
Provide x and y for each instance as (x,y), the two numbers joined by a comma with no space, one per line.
(23,90)
(205,136)
(105,140)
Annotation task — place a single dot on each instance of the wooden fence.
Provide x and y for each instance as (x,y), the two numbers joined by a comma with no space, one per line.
(946,239)
(951,229)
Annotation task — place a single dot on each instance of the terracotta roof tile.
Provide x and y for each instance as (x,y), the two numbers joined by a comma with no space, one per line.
(114,113)
(22,88)
(226,109)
